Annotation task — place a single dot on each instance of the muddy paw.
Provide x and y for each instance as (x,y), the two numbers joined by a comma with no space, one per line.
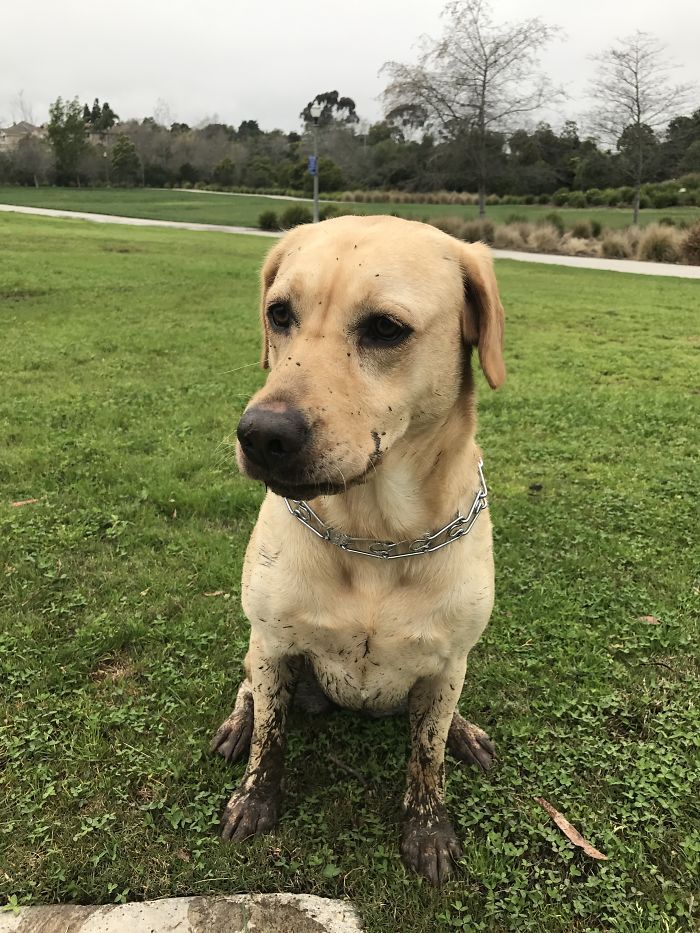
(470,744)
(430,850)
(232,739)
(249,813)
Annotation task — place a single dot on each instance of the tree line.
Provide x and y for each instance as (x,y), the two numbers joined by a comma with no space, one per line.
(462,117)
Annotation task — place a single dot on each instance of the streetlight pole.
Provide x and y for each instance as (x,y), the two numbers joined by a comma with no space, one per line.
(315,114)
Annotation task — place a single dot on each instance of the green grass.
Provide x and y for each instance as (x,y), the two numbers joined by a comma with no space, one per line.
(127,357)
(244,210)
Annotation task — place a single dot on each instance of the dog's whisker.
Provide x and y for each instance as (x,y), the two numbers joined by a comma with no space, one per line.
(227,372)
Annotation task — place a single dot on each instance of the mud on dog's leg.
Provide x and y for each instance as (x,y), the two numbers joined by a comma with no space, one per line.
(429,843)
(254,806)
(232,739)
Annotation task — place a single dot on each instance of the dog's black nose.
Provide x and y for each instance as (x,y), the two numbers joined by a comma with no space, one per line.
(272,439)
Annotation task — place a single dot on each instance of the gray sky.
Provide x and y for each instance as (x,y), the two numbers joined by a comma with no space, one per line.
(264,60)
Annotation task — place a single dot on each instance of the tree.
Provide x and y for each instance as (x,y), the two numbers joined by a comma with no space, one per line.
(478,79)
(126,165)
(334,109)
(32,160)
(634,96)
(95,114)
(107,118)
(67,135)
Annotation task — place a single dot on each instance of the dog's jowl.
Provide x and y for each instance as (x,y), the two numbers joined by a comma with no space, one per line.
(369,574)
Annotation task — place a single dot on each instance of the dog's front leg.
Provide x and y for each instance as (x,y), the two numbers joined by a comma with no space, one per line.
(254,806)
(429,843)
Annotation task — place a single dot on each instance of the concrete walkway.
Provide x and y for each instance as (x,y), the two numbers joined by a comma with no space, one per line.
(132,221)
(577,262)
(244,913)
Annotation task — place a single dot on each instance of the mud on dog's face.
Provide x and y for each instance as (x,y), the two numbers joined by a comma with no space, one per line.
(367,323)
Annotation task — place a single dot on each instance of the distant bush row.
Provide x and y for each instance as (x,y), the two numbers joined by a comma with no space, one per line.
(661,242)
(680,192)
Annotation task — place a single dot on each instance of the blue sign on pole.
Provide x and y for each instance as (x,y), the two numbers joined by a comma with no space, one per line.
(313,168)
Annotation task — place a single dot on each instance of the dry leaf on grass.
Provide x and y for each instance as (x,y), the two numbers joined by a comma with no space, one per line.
(16,505)
(570,831)
(215,593)
(650,620)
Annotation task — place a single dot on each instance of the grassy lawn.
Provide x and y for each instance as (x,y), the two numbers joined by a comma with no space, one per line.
(244,210)
(127,357)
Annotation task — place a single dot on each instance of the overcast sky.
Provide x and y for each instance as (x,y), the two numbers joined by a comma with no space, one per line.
(235,60)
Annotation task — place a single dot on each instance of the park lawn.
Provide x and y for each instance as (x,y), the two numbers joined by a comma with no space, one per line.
(128,356)
(244,210)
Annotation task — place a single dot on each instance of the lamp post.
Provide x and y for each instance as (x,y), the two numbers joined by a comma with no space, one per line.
(315,111)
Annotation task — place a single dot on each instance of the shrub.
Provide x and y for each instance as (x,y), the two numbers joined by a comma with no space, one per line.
(575,246)
(543,199)
(582,229)
(690,245)
(595,197)
(268,220)
(659,244)
(545,239)
(661,199)
(475,230)
(555,220)
(295,215)
(616,245)
(626,194)
(507,237)
(451,225)
(330,210)
(689,198)
(611,196)
(560,197)
(667,221)
(644,201)
(596,228)
(493,199)
(576,199)
(529,199)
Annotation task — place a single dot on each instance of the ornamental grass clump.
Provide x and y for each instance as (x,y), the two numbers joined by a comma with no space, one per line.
(659,244)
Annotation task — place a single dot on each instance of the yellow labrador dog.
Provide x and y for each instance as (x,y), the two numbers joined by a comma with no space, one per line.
(369,575)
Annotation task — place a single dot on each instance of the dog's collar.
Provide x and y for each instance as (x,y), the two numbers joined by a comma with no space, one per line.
(392,550)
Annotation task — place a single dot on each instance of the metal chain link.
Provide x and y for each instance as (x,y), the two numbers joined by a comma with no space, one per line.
(393,550)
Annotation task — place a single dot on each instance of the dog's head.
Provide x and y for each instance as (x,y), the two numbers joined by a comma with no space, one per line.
(368,325)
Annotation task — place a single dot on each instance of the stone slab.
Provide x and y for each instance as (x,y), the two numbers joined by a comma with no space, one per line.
(243,913)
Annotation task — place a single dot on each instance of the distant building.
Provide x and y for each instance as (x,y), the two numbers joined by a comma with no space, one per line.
(11,135)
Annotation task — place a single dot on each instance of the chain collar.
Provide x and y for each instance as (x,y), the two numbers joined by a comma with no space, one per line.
(392,550)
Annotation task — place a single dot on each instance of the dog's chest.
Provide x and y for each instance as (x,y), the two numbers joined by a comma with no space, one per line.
(368,644)
(370,662)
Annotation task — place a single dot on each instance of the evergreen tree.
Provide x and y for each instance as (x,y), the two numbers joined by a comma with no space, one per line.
(67,134)
(126,165)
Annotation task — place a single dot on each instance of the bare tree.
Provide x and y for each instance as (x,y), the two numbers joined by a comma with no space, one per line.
(22,110)
(634,96)
(477,80)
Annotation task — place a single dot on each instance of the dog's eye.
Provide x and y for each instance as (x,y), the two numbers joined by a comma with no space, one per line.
(380,330)
(280,315)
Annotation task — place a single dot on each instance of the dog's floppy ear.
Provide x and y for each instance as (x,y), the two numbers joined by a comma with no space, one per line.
(269,270)
(483,321)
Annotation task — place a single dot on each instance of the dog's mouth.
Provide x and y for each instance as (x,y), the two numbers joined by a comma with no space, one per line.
(307,488)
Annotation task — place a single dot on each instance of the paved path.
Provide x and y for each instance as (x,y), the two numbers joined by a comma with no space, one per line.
(577,262)
(132,221)
(262,913)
